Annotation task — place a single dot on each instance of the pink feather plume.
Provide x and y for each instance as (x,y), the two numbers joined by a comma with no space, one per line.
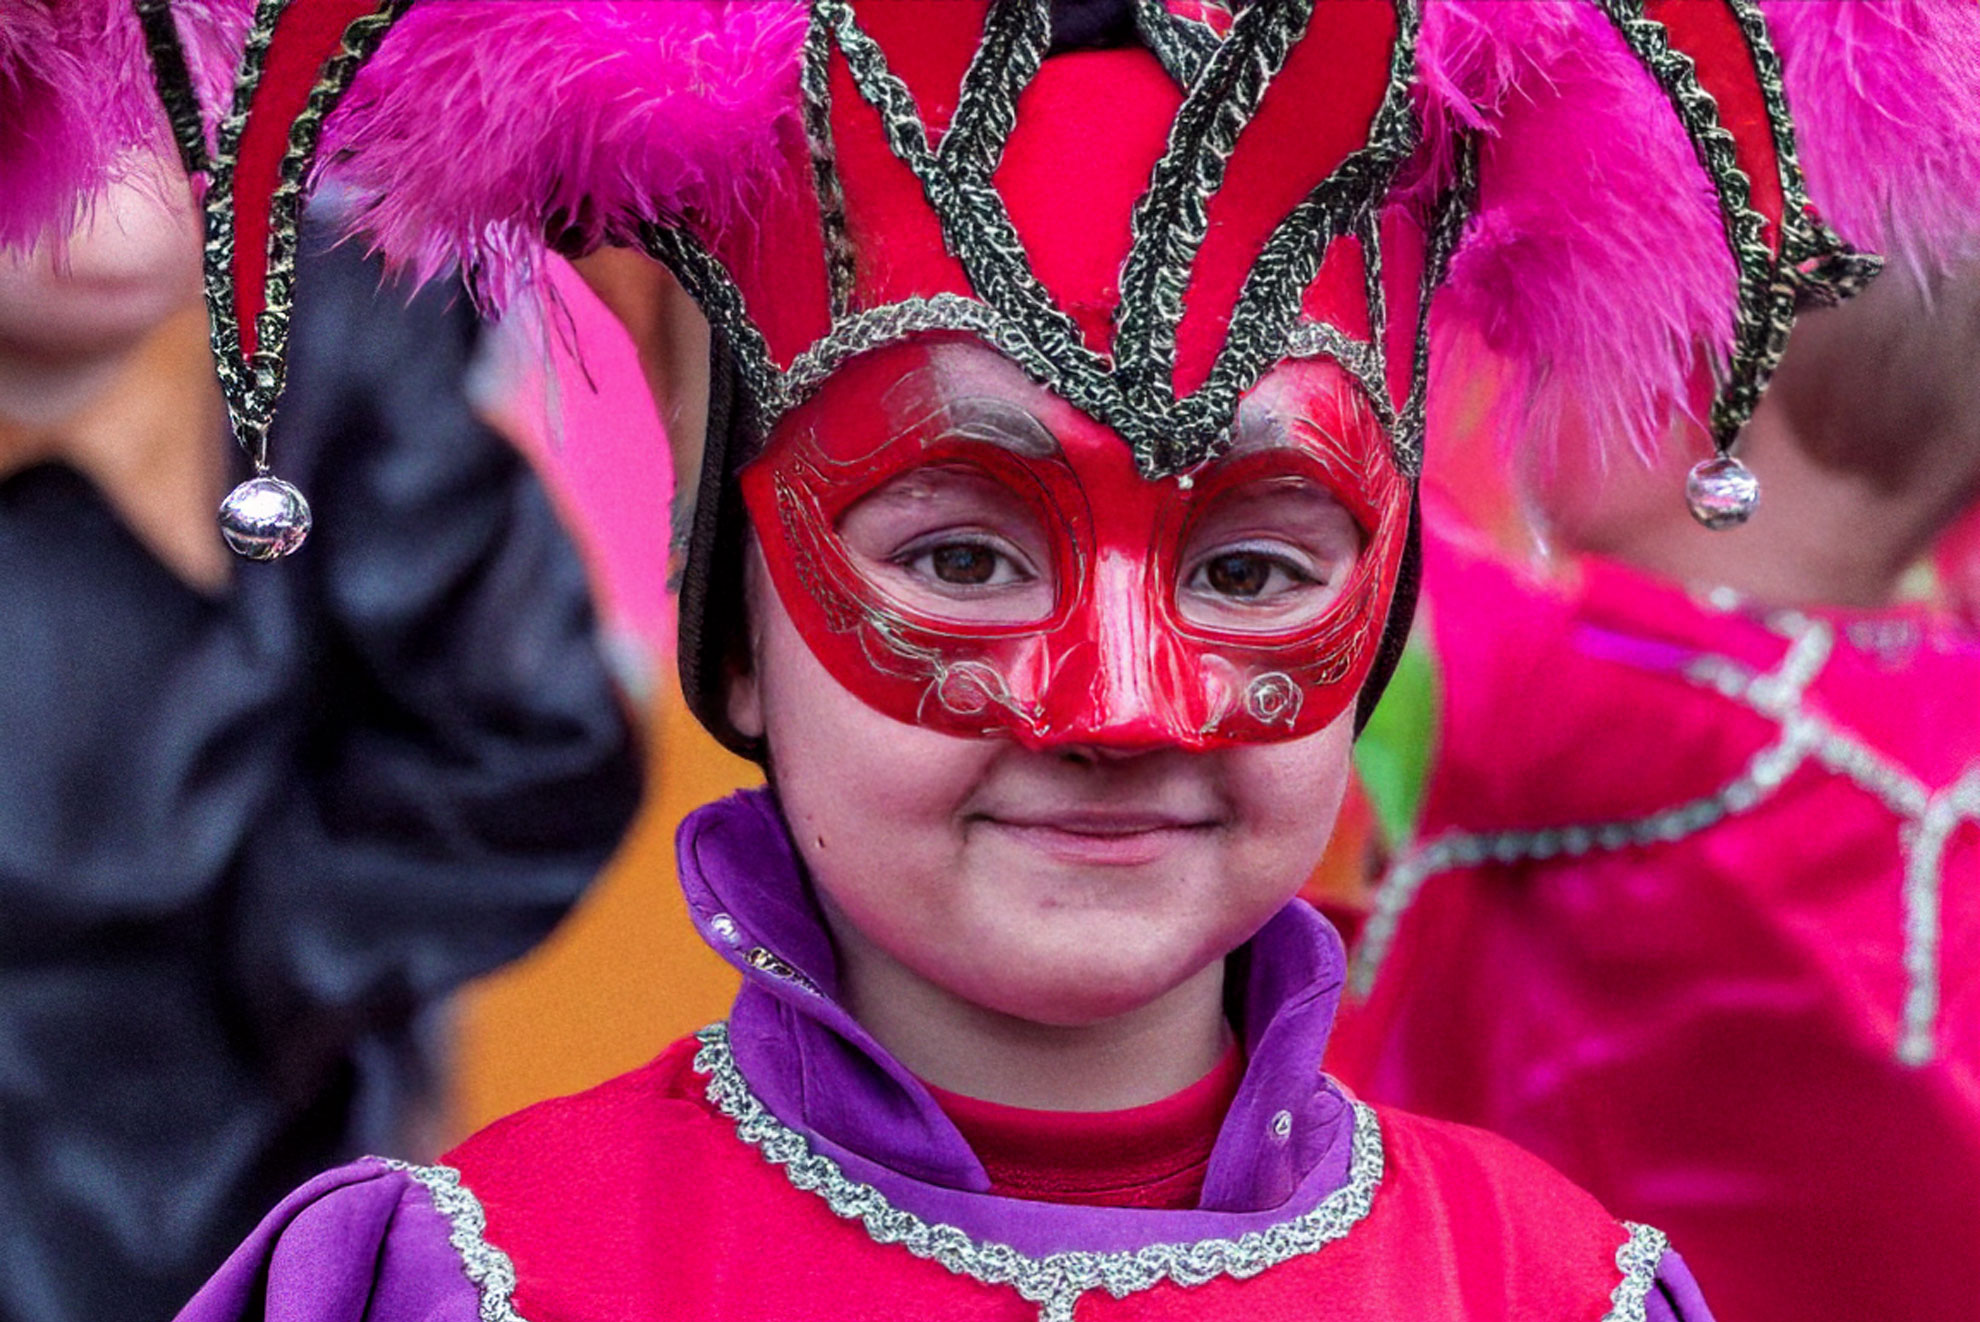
(77,101)
(1595,269)
(482,125)
(1886,102)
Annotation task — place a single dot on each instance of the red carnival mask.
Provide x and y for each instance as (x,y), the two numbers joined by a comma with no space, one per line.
(963,550)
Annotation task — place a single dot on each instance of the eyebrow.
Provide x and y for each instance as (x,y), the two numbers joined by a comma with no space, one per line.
(1269,428)
(992,419)
(1001,423)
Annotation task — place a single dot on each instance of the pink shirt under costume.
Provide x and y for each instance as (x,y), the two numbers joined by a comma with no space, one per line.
(1694,914)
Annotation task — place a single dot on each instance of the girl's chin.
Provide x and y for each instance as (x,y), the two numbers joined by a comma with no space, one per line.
(1063,992)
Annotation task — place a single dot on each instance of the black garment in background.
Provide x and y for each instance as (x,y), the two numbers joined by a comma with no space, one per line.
(245,840)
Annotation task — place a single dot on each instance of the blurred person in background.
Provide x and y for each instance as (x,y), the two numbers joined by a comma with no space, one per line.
(1727,973)
(256,824)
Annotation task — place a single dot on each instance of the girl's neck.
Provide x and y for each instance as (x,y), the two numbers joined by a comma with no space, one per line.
(1141,1056)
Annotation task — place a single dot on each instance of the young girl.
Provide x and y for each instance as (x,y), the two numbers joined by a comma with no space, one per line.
(1056,528)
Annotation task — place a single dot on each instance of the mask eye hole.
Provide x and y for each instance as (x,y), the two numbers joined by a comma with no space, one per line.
(1266,555)
(955,542)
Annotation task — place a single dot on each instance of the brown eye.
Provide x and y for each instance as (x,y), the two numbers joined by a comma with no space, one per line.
(1238,574)
(963,564)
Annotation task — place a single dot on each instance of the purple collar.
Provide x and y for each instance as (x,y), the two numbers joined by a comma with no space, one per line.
(1284,1145)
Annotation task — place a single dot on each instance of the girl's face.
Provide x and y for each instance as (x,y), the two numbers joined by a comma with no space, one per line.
(1069,878)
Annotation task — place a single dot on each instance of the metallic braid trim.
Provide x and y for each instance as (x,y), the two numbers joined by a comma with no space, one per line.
(1763,316)
(1056,1282)
(1171,219)
(868,330)
(1360,359)
(1927,820)
(1637,1259)
(1824,268)
(229,362)
(270,367)
(251,388)
(1183,45)
(1194,429)
(1446,232)
(1923,929)
(957,178)
(708,283)
(1016,34)
(815,84)
(1767,287)
(487,1268)
(1011,308)
(174,82)
(1368,233)
(1133,394)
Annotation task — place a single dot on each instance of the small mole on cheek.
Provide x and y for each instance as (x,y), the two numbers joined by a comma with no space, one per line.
(820,840)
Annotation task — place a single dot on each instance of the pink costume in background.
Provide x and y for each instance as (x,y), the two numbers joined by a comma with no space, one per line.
(1693,915)
(570,393)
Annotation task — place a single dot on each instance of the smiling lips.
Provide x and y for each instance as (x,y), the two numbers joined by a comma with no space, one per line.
(1114,839)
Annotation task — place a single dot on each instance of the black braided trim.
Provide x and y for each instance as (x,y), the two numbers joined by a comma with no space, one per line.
(1134,394)
(1366,362)
(270,367)
(708,283)
(1369,234)
(1826,269)
(251,388)
(229,362)
(815,84)
(957,181)
(1183,45)
(1768,287)
(1016,35)
(1268,306)
(1754,327)
(893,322)
(1172,217)
(174,82)
(1358,358)
(1454,209)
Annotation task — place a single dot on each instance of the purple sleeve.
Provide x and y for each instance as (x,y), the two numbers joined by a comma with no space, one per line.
(1675,1296)
(364,1240)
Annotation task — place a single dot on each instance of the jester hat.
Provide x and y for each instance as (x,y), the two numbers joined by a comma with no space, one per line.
(1148,208)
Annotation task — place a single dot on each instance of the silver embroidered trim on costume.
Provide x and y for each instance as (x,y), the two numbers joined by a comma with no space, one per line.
(488,1269)
(1056,1282)
(1927,819)
(1637,1259)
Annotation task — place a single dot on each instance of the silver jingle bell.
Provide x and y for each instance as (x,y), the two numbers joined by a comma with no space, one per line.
(264,518)
(1722,493)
